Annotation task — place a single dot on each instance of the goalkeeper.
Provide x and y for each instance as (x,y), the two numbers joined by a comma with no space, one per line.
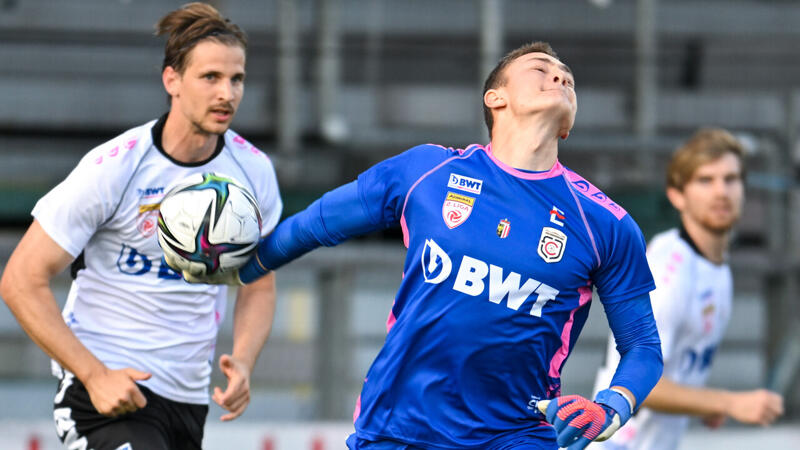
(504,248)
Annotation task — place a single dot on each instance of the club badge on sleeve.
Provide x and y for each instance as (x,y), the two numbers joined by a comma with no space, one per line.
(456,209)
(551,244)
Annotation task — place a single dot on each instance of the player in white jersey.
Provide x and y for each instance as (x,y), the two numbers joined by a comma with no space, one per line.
(692,300)
(135,345)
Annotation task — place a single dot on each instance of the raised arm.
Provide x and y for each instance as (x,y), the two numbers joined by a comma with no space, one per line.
(335,217)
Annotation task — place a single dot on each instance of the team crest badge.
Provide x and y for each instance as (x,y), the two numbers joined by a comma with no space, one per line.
(503,228)
(551,245)
(148,219)
(456,209)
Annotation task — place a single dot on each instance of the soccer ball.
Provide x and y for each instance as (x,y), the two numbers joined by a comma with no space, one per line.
(208,223)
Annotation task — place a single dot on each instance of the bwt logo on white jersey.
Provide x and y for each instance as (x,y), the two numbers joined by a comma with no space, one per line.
(471,275)
(149,192)
(465,183)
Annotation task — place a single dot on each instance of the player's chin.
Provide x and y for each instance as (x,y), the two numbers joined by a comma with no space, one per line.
(721,225)
(564,110)
(216,127)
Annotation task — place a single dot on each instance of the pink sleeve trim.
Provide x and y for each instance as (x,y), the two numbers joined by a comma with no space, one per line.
(585,223)
(562,353)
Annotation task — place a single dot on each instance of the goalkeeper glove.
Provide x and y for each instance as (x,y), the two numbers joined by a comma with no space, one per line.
(579,421)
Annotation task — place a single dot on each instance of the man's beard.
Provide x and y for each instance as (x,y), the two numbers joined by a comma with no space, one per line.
(200,129)
(719,228)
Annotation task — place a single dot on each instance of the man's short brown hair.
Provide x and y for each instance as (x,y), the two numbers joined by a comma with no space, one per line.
(705,146)
(192,23)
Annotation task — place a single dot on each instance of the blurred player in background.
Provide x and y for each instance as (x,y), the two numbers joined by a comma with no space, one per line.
(692,300)
(504,247)
(134,356)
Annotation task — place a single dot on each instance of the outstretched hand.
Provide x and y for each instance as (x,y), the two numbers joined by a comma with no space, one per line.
(758,407)
(114,392)
(236,396)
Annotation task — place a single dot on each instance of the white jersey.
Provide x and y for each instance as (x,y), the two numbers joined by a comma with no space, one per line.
(127,306)
(692,305)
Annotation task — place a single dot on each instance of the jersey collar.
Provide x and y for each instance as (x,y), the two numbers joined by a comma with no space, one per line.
(555,171)
(158,130)
(688,239)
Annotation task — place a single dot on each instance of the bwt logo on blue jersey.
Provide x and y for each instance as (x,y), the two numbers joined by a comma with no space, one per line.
(471,275)
(465,183)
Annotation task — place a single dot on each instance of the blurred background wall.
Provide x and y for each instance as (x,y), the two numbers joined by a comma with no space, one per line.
(334,86)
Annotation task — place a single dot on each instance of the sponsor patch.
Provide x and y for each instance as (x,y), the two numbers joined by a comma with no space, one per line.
(149,207)
(503,228)
(436,264)
(465,183)
(456,209)
(551,245)
(151,192)
(477,278)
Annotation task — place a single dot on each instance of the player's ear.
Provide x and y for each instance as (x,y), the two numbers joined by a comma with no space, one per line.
(675,197)
(171,79)
(493,99)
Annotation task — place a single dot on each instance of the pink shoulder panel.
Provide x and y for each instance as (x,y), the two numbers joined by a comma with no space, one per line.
(596,195)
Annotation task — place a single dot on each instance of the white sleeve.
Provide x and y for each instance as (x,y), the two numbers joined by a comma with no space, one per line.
(73,210)
(668,299)
(260,174)
(269,200)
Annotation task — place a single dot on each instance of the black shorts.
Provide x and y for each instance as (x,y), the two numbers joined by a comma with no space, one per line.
(161,425)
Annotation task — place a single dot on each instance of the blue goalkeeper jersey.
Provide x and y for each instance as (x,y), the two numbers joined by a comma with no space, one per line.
(497,286)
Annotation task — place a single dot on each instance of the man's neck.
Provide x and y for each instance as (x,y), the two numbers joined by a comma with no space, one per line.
(710,244)
(184,142)
(528,146)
